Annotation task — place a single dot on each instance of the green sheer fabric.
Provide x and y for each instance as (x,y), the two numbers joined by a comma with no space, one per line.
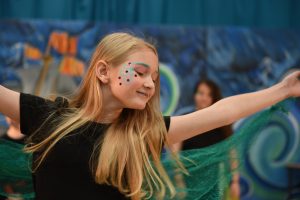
(15,172)
(210,169)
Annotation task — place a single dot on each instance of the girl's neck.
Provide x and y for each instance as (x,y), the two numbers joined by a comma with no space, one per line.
(109,115)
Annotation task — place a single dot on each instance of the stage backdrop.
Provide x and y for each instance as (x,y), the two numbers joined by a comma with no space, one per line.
(47,58)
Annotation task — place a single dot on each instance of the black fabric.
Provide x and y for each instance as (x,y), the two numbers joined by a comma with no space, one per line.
(167,120)
(65,173)
(204,139)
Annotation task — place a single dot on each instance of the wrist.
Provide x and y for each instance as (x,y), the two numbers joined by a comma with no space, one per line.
(284,89)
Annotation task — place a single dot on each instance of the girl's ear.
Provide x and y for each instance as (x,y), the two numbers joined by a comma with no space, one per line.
(102,71)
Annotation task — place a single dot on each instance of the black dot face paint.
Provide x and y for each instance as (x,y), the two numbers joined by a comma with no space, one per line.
(126,73)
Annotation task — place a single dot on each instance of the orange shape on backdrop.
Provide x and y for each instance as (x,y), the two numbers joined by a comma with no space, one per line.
(31,52)
(71,66)
(59,41)
(63,43)
(72,46)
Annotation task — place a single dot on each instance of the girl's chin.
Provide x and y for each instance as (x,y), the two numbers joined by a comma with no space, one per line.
(137,106)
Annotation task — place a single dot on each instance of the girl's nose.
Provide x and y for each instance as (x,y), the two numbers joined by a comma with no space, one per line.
(149,83)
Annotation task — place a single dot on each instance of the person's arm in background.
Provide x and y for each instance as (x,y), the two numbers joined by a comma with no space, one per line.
(13,131)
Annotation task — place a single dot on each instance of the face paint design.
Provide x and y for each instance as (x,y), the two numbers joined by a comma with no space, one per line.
(126,73)
(130,71)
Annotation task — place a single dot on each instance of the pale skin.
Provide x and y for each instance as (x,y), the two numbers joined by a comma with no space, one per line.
(138,93)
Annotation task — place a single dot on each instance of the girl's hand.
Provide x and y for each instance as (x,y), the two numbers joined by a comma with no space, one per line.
(292,83)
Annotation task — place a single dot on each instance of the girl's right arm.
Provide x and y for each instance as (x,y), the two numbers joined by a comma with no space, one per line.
(10,103)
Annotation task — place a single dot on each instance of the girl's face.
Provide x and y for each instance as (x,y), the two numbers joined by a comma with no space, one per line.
(133,82)
(203,97)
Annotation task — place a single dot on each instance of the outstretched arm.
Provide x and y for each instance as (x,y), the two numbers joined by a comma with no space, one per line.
(228,110)
(9,103)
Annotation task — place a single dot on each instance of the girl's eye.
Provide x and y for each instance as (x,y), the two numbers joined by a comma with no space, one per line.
(139,73)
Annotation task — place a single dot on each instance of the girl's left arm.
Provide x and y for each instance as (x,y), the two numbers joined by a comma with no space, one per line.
(228,110)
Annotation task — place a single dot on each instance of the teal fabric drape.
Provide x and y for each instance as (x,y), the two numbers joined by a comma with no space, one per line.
(253,13)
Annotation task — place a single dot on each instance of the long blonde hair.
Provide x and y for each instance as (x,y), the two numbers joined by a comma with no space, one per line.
(122,158)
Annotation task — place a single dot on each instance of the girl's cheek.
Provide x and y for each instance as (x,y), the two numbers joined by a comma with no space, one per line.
(127,75)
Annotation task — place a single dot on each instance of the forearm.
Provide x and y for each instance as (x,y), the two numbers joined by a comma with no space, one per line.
(243,105)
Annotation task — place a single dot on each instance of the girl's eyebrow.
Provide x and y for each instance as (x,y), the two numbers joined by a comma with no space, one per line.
(143,64)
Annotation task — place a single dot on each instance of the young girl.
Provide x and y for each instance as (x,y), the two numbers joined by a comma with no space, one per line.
(105,142)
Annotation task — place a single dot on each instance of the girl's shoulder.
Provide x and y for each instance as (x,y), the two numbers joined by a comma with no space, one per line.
(34,110)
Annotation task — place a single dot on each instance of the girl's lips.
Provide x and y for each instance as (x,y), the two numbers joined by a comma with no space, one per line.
(143,94)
